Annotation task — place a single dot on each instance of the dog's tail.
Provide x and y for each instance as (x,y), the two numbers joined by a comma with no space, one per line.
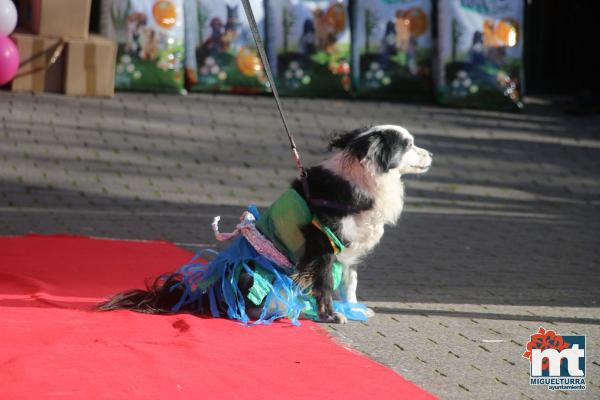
(159,297)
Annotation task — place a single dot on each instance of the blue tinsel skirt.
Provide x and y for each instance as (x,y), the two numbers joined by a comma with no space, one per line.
(216,282)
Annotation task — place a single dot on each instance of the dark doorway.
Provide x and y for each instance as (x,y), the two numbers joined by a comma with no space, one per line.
(562,47)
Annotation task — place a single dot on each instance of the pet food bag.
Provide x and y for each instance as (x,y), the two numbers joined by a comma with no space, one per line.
(309,46)
(150,39)
(190,13)
(481,53)
(393,49)
(226,55)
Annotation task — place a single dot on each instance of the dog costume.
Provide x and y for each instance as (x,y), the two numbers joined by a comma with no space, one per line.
(266,248)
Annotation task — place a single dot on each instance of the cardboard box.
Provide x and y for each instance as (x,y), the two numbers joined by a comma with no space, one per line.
(90,67)
(62,18)
(42,64)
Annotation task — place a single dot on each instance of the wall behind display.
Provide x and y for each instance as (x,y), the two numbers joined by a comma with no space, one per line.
(561,38)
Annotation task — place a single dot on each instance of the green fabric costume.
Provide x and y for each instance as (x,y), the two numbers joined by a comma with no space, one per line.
(282,224)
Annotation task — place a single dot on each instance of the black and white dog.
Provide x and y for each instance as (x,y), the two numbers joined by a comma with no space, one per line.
(362,180)
(365,175)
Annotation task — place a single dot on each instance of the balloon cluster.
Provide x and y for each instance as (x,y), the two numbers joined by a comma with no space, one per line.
(9,55)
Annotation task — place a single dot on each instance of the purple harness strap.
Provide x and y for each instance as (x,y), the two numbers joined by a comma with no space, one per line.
(321,202)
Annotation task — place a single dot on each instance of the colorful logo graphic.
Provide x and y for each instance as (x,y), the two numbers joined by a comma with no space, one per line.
(556,361)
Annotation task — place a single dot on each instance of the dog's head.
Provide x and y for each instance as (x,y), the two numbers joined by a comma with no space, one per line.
(382,149)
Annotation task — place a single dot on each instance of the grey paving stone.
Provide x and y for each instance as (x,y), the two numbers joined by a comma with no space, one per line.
(499,238)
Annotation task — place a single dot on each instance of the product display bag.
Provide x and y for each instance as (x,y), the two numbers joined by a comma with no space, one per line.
(227,59)
(481,53)
(150,39)
(393,49)
(309,46)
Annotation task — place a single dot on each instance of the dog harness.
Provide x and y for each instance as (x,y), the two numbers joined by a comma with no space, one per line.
(268,251)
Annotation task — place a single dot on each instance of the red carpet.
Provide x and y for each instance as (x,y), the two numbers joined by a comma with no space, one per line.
(52,346)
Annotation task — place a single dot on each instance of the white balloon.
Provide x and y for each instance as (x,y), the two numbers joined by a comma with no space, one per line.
(8,17)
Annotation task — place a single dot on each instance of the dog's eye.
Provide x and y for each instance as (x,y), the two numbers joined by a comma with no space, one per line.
(406,143)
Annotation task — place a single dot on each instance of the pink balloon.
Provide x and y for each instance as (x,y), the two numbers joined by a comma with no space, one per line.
(9,59)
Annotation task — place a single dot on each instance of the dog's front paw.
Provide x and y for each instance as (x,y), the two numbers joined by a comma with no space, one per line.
(368,312)
(340,318)
(335,318)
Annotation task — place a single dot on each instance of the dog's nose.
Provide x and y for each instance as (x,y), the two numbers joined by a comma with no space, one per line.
(430,154)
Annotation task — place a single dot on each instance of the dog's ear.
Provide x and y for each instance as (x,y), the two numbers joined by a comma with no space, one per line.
(385,148)
(351,142)
(340,140)
(383,153)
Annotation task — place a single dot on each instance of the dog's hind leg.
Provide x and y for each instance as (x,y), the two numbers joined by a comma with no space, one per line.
(316,267)
(323,291)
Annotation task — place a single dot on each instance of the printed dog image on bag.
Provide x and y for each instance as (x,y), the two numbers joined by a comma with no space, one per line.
(393,49)
(481,50)
(309,46)
(149,34)
(227,59)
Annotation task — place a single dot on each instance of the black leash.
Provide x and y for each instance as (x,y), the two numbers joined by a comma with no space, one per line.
(263,57)
(267,67)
